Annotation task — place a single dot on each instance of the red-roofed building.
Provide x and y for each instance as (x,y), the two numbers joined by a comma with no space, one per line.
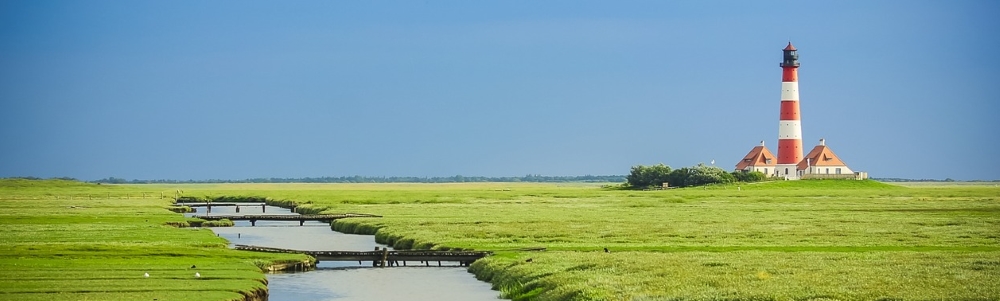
(759,159)
(822,161)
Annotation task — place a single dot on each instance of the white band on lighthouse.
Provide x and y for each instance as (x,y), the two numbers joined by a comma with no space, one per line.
(789,129)
(790,91)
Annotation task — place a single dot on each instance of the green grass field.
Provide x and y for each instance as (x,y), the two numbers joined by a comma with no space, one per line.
(63,240)
(799,240)
(795,240)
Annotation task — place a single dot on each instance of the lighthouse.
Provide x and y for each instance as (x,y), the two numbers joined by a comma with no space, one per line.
(790,164)
(790,122)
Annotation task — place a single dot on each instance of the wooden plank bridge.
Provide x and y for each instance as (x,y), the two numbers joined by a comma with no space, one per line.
(382,257)
(253,218)
(218,204)
(209,205)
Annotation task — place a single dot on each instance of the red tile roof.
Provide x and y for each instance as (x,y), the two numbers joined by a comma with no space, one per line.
(758,156)
(790,47)
(821,155)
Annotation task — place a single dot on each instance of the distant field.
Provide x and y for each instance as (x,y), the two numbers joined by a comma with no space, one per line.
(64,240)
(947,184)
(794,240)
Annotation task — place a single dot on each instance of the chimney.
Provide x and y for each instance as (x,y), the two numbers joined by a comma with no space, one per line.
(762,143)
(822,141)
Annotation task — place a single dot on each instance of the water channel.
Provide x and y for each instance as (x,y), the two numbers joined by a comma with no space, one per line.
(346,281)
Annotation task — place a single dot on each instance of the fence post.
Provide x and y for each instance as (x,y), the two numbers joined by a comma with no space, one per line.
(385,255)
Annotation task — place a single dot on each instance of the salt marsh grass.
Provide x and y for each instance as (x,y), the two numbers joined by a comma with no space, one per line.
(78,248)
(796,240)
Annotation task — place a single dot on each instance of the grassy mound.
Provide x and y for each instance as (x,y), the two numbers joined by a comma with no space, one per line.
(825,184)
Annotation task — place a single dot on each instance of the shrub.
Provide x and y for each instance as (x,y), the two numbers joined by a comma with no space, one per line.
(648,176)
(749,177)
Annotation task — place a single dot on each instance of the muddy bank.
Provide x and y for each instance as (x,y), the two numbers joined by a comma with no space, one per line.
(257,294)
(291,266)
(261,293)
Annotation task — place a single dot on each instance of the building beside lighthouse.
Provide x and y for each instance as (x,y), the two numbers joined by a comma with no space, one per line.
(791,162)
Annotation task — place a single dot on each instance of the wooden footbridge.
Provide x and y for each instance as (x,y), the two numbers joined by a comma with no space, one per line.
(209,205)
(253,218)
(382,257)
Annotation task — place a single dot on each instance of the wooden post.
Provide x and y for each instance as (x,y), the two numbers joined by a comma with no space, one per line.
(263,208)
(237,209)
(385,255)
(375,262)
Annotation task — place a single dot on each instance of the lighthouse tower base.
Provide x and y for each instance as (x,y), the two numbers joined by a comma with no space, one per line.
(787,171)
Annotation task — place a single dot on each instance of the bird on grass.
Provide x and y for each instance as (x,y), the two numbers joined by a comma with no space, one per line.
(197,275)
(606,250)
(146,275)
(529,260)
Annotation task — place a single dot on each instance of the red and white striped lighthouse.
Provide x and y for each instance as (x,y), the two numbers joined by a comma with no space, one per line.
(790,125)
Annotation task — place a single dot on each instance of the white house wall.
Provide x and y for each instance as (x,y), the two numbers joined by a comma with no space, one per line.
(828,170)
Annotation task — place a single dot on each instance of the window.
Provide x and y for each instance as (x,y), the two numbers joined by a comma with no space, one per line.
(786,171)
(827,171)
(765,171)
(838,170)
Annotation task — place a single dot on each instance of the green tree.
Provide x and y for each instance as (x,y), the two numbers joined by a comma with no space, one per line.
(698,175)
(648,176)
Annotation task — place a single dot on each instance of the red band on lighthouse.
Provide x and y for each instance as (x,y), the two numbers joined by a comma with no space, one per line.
(789,110)
(790,75)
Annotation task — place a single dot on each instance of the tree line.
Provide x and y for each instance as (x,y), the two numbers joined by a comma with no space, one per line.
(364,179)
(654,176)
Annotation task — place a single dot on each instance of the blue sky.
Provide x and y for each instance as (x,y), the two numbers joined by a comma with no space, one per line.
(242,89)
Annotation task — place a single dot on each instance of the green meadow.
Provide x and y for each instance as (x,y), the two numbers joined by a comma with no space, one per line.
(795,240)
(789,240)
(62,240)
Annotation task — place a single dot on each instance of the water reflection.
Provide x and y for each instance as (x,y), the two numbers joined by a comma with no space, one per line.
(346,281)
(380,284)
